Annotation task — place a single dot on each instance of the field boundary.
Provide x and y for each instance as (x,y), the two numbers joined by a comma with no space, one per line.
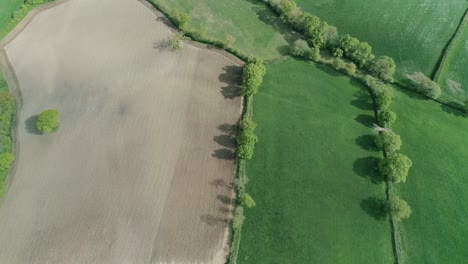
(446,51)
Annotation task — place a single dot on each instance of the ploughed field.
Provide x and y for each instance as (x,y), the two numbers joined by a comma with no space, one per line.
(140,170)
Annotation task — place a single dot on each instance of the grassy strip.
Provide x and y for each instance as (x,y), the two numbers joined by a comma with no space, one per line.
(446,52)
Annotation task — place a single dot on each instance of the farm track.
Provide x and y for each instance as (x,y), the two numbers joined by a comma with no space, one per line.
(121,181)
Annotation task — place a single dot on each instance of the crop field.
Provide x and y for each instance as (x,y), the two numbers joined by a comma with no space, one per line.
(311,174)
(413,32)
(455,69)
(257,31)
(141,167)
(437,188)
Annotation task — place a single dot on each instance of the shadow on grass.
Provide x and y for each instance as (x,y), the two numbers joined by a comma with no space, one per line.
(367,142)
(362,100)
(374,207)
(30,125)
(365,120)
(449,108)
(367,168)
(232,77)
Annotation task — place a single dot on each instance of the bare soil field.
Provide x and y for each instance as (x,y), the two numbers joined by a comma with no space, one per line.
(141,168)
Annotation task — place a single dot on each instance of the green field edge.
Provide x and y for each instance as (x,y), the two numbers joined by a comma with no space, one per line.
(448,48)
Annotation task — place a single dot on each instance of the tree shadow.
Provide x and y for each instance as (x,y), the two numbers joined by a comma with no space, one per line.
(163,45)
(367,168)
(362,101)
(226,141)
(225,154)
(374,207)
(367,142)
(213,220)
(225,199)
(30,125)
(225,210)
(220,183)
(452,108)
(232,76)
(366,120)
(228,129)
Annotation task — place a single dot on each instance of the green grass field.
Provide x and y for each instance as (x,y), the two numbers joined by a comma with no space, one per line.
(412,32)
(456,67)
(7,7)
(436,140)
(311,172)
(257,31)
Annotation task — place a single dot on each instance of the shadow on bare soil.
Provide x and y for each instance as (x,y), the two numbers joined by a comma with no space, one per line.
(367,168)
(232,76)
(227,140)
(374,207)
(224,199)
(220,183)
(30,125)
(228,129)
(213,220)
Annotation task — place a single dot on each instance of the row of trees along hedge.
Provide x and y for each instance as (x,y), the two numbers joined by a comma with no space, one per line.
(319,35)
(7,111)
(394,167)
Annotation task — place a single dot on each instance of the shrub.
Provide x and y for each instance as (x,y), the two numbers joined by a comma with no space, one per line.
(389,141)
(247,124)
(180,19)
(386,118)
(177,41)
(299,48)
(383,67)
(247,201)
(238,218)
(252,76)
(48,121)
(313,54)
(6,159)
(398,208)
(350,69)
(425,85)
(395,167)
(338,64)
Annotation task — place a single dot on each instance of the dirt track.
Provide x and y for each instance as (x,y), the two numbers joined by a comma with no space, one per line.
(141,168)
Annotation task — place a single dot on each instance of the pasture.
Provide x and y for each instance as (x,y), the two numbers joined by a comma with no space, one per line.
(141,167)
(413,32)
(256,29)
(312,172)
(435,138)
(455,69)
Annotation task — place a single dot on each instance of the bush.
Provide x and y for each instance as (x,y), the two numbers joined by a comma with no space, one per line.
(350,69)
(338,64)
(246,139)
(177,41)
(180,19)
(48,121)
(389,141)
(247,201)
(425,85)
(252,76)
(299,48)
(313,54)
(386,118)
(337,53)
(6,159)
(383,67)
(238,218)
(398,208)
(395,167)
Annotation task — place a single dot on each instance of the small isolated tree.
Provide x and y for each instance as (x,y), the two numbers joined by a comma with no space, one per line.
(238,218)
(395,167)
(389,141)
(48,121)
(425,85)
(398,208)
(387,118)
(252,76)
(247,201)
(383,67)
(229,41)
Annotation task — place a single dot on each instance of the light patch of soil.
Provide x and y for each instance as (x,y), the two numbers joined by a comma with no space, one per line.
(141,168)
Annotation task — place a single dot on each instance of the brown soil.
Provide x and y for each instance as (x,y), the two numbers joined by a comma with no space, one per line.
(141,168)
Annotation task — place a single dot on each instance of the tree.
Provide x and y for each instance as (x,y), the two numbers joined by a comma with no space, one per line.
(398,208)
(238,218)
(383,98)
(425,85)
(350,68)
(383,67)
(313,54)
(48,121)
(331,36)
(247,201)
(359,52)
(386,118)
(316,36)
(389,141)
(337,53)
(338,64)
(252,76)
(395,167)
(309,22)
(246,139)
